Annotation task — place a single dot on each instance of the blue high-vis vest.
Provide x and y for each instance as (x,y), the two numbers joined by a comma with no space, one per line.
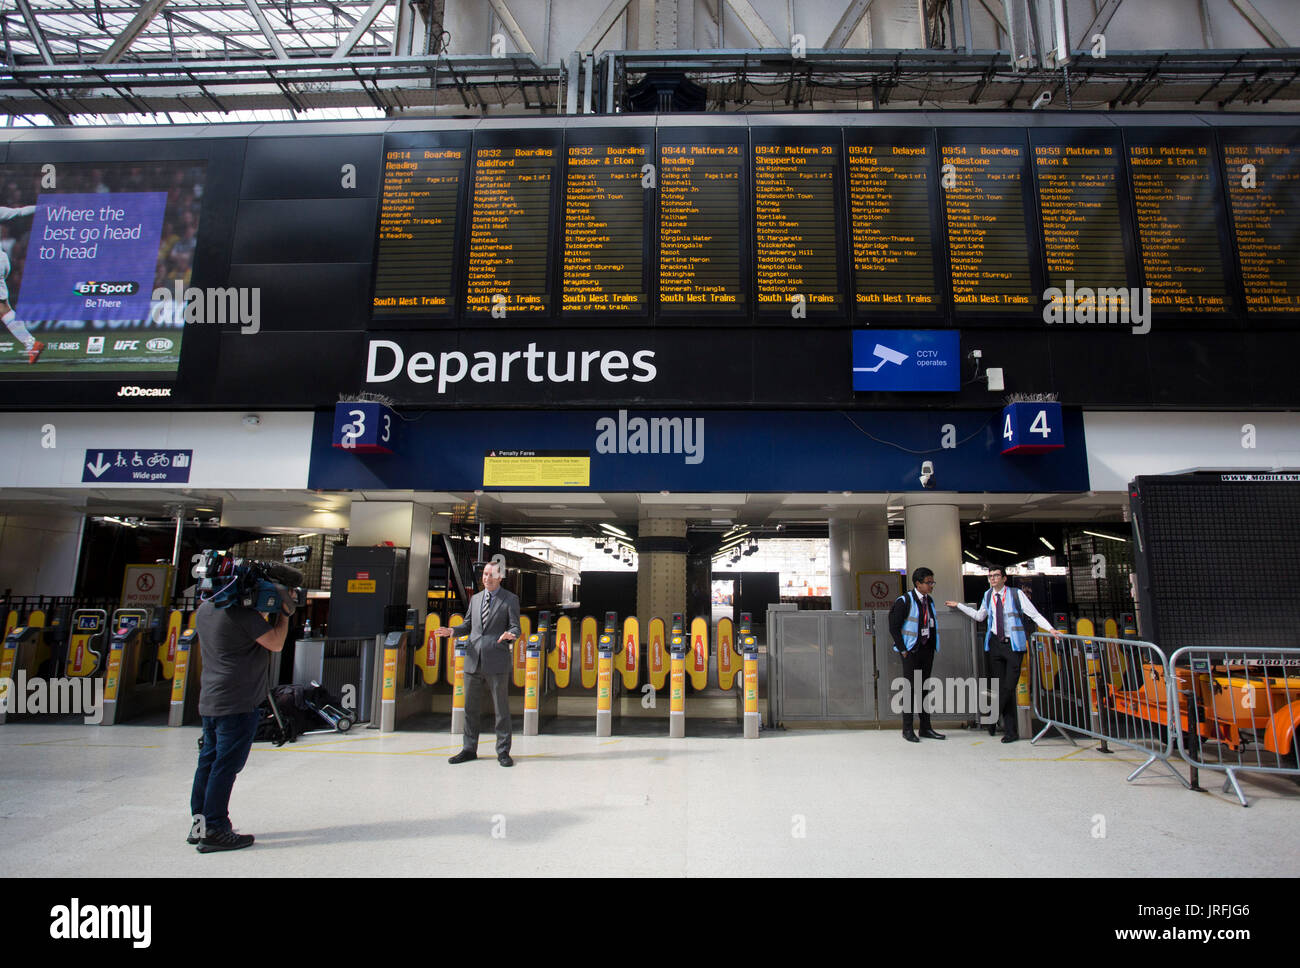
(912,626)
(1015,629)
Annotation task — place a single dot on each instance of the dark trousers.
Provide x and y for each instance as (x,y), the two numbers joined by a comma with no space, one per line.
(919,659)
(499,686)
(226,742)
(1004,666)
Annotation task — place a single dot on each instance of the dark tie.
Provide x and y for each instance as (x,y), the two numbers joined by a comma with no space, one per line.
(487,603)
(997,616)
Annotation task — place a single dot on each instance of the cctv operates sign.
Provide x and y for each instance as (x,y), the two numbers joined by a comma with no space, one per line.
(922,360)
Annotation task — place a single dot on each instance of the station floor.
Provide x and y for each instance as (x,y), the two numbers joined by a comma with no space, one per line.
(86,801)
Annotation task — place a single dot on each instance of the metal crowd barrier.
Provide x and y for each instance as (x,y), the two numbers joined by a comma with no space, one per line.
(1239,710)
(1113,690)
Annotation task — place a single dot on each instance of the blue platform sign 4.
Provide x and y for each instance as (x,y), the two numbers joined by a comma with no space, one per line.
(113,466)
(924,360)
(1032,428)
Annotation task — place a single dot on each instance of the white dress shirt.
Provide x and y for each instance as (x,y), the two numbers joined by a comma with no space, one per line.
(1026,608)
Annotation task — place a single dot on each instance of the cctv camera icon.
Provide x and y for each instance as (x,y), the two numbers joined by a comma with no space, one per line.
(886,355)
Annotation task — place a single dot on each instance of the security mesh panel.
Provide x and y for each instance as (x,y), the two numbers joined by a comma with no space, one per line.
(1099,573)
(1216,559)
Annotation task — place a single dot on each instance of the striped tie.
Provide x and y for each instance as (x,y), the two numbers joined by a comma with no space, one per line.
(487,602)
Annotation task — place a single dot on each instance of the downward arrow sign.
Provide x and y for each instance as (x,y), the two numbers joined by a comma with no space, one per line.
(99,466)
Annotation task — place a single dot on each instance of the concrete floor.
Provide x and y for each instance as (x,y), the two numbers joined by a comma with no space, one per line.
(80,801)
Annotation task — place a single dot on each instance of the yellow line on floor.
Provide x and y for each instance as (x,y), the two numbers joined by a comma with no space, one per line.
(113,746)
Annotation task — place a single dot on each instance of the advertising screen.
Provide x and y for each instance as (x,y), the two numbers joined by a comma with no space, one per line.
(95,261)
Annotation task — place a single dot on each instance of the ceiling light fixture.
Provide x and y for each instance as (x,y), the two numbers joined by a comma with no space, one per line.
(1050,546)
(1109,537)
(1007,551)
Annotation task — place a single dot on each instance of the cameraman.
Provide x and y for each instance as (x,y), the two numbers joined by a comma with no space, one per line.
(234,642)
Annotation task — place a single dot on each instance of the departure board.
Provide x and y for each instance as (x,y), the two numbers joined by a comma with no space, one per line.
(795,226)
(701,218)
(510,230)
(987,248)
(1173,198)
(889,213)
(415,266)
(1078,204)
(604,229)
(1264,191)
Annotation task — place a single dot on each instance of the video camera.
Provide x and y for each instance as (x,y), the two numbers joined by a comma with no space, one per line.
(263,586)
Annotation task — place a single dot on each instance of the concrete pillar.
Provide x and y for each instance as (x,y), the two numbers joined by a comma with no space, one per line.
(406,525)
(661,570)
(860,544)
(933,536)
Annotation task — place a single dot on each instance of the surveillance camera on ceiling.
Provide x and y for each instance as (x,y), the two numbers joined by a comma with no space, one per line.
(927,474)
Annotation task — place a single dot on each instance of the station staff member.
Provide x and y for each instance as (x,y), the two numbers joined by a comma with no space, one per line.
(916,639)
(1005,642)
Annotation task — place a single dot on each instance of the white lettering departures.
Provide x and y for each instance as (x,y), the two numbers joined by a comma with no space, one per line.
(387,359)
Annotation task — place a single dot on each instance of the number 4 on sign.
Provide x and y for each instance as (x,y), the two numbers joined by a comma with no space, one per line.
(1031,428)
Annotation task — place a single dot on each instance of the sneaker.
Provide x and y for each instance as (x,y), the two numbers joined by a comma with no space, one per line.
(34,353)
(229,840)
(192,837)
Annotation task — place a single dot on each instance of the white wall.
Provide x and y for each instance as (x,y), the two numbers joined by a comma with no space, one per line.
(38,556)
(1124,445)
(227,454)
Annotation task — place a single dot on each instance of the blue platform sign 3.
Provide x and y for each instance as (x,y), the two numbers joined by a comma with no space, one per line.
(924,360)
(365,427)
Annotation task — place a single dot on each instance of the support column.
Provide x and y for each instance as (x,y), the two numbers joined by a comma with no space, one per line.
(661,569)
(860,544)
(933,535)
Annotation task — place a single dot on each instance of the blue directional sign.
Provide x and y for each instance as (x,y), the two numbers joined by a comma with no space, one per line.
(927,360)
(113,466)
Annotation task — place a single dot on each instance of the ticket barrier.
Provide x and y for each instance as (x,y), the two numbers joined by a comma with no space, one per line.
(607,646)
(678,646)
(19,662)
(393,698)
(541,698)
(187,667)
(133,680)
(746,645)
(88,644)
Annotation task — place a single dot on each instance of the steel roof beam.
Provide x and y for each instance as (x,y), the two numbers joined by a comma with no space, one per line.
(359,29)
(148,10)
(848,22)
(512,27)
(38,38)
(267,32)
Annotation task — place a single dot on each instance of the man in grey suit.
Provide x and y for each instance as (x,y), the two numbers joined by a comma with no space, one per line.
(493,623)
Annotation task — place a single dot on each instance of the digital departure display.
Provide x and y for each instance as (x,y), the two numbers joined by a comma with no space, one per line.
(1264,194)
(1174,202)
(701,221)
(1078,204)
(984,204)
(794,219)
(604,229)
(889,213)
(510,230)
(416,262)
(96,265)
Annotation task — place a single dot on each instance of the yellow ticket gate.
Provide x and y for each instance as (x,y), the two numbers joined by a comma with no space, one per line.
(678,646)
(88,644)
(132,686)
(19,661)
(187,669)
(746,644)
(607,645)
(541,700)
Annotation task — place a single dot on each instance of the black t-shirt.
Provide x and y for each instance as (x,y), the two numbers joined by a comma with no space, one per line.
(234,665)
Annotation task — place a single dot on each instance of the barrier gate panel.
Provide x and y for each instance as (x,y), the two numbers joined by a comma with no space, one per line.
(850,671)
(801,665)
